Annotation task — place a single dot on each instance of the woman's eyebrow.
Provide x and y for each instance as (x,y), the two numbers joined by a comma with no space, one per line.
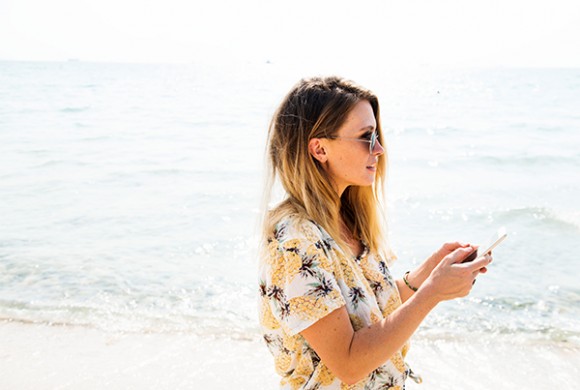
(367,128)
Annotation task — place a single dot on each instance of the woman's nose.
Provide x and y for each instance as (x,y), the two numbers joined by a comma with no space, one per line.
(378,149)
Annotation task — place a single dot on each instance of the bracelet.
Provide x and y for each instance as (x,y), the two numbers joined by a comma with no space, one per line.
(407,282)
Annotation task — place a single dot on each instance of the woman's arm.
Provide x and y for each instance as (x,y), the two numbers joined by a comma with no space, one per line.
(353,355)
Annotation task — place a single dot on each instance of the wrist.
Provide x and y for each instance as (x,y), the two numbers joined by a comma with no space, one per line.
(409,285)
(432,261)
(427,295)
(417,276)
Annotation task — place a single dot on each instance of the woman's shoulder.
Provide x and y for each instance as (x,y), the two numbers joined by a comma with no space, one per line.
(298,227)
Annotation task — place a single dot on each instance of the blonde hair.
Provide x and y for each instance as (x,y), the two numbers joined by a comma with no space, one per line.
(316,108)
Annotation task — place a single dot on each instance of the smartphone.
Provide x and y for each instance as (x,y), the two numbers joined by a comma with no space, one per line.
(494,241)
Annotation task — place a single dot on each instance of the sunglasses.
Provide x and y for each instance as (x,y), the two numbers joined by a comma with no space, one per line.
(372,140)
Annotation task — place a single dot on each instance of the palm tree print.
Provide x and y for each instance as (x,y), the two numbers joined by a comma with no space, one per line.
(323,244)
(280,232)
(263,291)
(383,267)
(382,379)
(271,342)
(308,267)
(375,376)
(276,292)
(279,297)
(387,277)
(276,343)
(357,295)
(376,286)
(315,357)
(321,288)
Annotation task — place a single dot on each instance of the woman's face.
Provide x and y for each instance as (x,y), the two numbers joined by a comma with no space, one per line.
(349,160)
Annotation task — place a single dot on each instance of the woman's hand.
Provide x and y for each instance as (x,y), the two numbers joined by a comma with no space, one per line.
(419,275)
(453,279)
(445,250)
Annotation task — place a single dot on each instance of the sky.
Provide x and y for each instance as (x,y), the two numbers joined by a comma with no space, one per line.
(434,32)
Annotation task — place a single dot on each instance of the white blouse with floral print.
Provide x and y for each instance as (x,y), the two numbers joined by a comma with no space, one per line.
(307,276)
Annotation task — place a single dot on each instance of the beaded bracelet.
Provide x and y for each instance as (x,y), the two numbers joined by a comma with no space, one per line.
(407,282)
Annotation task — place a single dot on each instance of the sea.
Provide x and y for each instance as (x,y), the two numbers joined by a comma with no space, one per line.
(130,193)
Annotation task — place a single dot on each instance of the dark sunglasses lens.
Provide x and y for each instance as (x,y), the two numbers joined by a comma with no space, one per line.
(373,142)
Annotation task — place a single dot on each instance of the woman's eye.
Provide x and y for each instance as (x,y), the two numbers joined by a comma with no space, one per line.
(367,136)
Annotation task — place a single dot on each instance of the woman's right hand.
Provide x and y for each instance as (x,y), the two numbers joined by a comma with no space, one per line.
(453,279)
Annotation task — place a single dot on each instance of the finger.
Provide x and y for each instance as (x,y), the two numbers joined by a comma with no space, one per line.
(451,246)
(458,255)
(479,263)
(447,248)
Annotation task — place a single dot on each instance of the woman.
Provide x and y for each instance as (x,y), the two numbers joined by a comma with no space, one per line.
(331,313)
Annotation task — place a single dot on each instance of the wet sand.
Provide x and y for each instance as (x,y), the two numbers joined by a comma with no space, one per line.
(34,356)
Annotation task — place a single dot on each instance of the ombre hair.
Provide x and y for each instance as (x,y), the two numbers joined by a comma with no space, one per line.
(316,108)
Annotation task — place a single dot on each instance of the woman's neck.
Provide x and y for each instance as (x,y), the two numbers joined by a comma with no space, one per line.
(348,237)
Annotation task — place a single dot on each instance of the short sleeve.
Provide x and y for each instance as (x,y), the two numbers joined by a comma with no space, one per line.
(300,282)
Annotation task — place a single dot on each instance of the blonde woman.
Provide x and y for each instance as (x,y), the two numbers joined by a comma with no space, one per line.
(332,315)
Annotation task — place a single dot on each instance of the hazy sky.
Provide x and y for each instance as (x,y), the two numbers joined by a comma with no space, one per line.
(456,32)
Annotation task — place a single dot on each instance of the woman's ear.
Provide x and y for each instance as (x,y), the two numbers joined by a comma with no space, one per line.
(317,150)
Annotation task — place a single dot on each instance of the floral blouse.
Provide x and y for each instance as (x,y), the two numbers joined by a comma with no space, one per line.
(307,276)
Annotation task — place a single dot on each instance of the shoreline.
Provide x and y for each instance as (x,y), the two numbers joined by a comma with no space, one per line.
(36,356)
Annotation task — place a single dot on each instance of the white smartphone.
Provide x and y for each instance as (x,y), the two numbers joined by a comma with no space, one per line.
(494,241)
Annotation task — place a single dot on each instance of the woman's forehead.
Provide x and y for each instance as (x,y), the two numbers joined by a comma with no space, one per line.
(360,119)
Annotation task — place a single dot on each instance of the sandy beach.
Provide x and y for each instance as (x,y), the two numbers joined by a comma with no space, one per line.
(61,357)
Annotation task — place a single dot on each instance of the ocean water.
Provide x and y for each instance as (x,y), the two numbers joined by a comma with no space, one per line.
(129,193)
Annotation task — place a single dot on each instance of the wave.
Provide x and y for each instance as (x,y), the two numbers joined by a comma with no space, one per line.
(75,109)
(489,162)
(129,320)
(562,220)
(52,163)
(546,335)
(544,217)
(420,130)
(527,161)
(566,220)
(551,318)
(450,325)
